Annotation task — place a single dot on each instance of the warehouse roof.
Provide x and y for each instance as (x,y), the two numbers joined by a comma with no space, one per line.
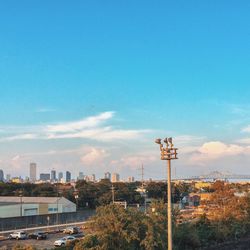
(7,200)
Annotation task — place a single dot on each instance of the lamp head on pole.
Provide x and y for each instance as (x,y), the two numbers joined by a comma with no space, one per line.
(158,141)
(166,141)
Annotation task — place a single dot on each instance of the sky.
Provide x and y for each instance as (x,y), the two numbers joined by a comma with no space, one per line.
(88,85)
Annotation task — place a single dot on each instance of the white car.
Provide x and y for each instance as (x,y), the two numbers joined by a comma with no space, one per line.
(18,235)
(63,241)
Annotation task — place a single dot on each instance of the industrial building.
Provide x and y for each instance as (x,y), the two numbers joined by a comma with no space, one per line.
(13,206)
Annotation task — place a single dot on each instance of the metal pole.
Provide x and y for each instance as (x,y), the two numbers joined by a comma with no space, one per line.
(169,207)
(113,194)
(21,206)
(57,215)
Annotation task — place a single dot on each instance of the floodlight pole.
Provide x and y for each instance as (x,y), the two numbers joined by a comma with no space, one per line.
(168,153)
(169,207)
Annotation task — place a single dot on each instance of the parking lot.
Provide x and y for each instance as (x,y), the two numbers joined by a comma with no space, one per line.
(52,235)
(39,244)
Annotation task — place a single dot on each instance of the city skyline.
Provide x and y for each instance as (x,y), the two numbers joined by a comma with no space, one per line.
(89,89)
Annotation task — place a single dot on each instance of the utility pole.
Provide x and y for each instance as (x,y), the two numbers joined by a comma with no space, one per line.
(168,153)
(143,188)
(57,215)
(113,194)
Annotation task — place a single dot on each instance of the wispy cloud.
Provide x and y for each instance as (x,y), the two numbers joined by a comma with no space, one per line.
(77,126)
(45,110)
(246,129)
(92,127)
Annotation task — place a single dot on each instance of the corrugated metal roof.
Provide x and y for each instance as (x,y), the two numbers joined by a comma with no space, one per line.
(47,200)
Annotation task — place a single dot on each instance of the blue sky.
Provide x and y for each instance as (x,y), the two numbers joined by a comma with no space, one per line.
(154,69)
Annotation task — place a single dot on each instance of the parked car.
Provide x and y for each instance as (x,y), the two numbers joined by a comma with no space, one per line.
(38,236)
(18,235)
(71,230)
(63,241)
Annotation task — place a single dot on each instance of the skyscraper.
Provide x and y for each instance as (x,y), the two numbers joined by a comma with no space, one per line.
(8,177)
(107,175)
(81,176)
(60,176)
(53,175)
(115,177)
(32,172)
(68,176)
(92,177)
(131,179)
(1,175)
(44,176)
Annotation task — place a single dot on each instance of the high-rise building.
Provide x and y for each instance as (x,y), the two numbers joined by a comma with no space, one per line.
(1,175)
(80,176)
(8,177)
(44,176)
(60,176)
(68,176)
(53,175)
(115,177)
(131,179)
(32,172)
(107,175)
(92,177)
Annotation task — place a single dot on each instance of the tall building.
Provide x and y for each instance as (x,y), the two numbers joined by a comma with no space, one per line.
(92,177)
(8,177)
(60,176)
(53,175)
(80,176)
(131,179)
(1,175)
(32,172)
(115,177)
(107,175)
(68,176)
(44,177)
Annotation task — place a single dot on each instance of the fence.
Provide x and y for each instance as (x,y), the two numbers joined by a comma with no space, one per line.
(44,220)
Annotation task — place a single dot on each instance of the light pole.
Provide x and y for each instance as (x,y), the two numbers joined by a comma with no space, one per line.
(168,153)
(76,195)
(21,202)
(113,194)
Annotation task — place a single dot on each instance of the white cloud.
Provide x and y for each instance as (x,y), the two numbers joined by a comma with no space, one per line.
(135,161)
(94,156)
(20,137)
(216,149)
(244,141)
(188,139)
(76,126)
(89,128)
(246,129)
(45,110)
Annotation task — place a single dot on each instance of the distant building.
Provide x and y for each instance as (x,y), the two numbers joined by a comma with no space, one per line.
(32,172)
(92,177)
(60,176)
(8,177)
(1,175)
(115,177)
(53,175)
(80,176)
(16,180)
(10,206)
(107,175)
(45,177)
(68,176)
(131,179)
